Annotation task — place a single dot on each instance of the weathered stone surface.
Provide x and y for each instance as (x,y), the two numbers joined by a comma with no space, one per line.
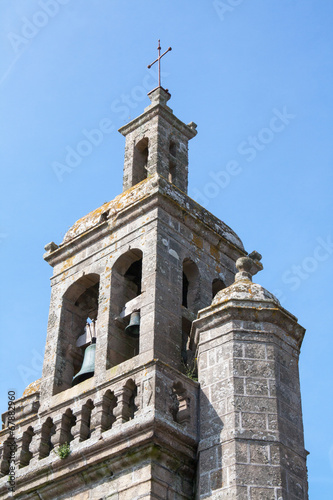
(250,395)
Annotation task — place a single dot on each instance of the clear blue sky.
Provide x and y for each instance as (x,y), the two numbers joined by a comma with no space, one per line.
(256,78)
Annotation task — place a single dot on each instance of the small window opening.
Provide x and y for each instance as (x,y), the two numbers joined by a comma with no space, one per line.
(172,149)
(191,288)
(172,162)
(140,161)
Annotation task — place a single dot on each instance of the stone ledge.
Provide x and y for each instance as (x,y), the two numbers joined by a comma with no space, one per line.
(119,450)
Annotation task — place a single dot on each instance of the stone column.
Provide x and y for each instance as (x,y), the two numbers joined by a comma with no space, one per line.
(35,444)
(251,433)
(123,411)
(80,431)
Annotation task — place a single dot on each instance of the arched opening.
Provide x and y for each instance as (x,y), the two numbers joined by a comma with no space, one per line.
(172,162)
(140,161)
(172,149)
(77,329)
(191,285)
(190,303)
(217,285)
(126,288)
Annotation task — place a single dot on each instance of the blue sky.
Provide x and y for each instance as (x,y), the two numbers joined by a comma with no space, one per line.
(256,76)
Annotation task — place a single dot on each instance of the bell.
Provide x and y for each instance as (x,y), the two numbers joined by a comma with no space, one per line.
(88,365)
(134,325)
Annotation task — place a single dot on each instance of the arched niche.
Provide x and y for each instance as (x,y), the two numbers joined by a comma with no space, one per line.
(79,305)
(126,288)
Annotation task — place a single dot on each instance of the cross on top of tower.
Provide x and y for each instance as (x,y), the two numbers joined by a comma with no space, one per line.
(159,61)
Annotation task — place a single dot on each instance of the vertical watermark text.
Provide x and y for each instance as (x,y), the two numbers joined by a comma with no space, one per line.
(11,443)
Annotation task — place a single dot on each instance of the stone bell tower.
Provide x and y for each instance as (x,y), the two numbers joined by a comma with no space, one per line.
(138,275)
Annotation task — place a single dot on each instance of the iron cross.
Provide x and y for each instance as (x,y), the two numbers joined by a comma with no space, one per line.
(159,61)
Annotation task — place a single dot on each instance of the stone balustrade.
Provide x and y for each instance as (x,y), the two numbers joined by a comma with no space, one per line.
(76,419)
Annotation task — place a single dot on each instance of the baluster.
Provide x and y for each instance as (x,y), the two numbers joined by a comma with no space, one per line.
(4,460)
(81,430)
(123,411)
(35,445)
(96,419)
(184,412)
(56,435)
(23,442)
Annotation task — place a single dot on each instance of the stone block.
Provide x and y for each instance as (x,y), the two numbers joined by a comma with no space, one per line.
(255,351)
(257,386)
(258,475)
(243,368)
(253,421)
(256,404)
(259,453)
(208,459)
(216,481)
(262,494)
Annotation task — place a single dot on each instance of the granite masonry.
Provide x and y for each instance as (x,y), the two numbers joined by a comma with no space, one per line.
(200,399)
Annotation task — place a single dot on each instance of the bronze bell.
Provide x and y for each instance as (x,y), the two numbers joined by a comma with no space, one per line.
(134,325)
(88,365)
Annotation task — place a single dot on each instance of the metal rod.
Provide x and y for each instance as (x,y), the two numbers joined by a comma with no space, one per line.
(159,61)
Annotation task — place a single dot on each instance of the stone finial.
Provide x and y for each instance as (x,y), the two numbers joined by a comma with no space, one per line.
(159,96)
(255,255)
(192,125)
(50,247)
(246,266)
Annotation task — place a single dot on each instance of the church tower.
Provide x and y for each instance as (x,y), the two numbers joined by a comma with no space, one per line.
(167,374)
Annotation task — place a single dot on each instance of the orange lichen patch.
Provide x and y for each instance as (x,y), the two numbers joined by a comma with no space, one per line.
(105,309)
(33,387)
(111,208)
(68,263)
(214,252)
(197,241)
